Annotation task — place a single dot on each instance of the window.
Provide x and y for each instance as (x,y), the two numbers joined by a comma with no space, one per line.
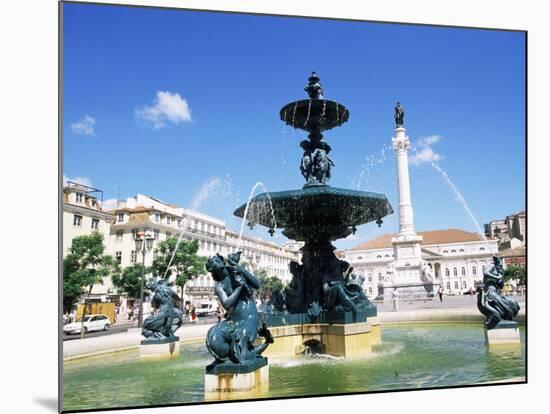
(447,273)
(77,220)
(379,277)
(482,249)
(120,217)
(482,268)
(379,256)
(445,251)
(95,224)
(118,256)
(387,255)
(463,284)
(168,234)
(474,270)
(461,250)
(133,256)
(79,197)
(119,234)
(179,222)
(370,291)
(453,251)
(168,220)
(359,257)
(463,271)
(448,285)
(456,285)
(157,217)
(157,234)
(370,278)
(455,271)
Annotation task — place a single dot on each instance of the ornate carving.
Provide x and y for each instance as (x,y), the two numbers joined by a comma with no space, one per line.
(400,145)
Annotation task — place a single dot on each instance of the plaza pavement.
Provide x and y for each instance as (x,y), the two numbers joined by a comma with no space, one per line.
(452,309)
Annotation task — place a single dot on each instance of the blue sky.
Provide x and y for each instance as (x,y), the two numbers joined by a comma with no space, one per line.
(169,102)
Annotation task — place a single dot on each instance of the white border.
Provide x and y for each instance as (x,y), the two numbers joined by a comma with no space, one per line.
(28,31)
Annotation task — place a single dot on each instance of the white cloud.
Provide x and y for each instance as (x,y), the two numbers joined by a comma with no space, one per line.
(424,152)
(79,180)
(109,204)
(167,107)
(85,126)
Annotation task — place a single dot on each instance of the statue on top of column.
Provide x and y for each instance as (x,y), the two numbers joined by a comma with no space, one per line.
(399,115)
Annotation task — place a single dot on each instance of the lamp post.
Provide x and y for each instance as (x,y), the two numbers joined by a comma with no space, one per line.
(144,242)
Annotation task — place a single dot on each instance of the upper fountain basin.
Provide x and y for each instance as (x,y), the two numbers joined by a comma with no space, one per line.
(314,114)
(316,213)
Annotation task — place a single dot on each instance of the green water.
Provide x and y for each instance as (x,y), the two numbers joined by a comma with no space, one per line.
(412,356)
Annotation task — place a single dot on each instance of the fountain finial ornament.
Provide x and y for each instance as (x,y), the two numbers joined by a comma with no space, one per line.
(399,115)
(313,88)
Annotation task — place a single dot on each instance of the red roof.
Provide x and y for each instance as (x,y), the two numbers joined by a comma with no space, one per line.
(428,238)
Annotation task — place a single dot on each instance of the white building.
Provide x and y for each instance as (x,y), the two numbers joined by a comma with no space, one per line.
(456,257)
(82,215)
(167,220)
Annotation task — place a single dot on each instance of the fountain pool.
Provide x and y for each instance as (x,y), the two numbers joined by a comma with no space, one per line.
(410,357)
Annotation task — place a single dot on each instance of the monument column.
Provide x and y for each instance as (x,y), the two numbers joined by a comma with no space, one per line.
(408,277)
(400,144)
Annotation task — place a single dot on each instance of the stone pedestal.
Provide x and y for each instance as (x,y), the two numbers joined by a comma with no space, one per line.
(236,381)
(160,349)
(505,333)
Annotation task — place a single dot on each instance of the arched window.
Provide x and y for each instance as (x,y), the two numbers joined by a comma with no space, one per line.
(474,270)
(456,285)
(447,273)
(461,250)
(463,271)
(482,249)
(463,284)
(359,257)
(448,285)
(453,251)
(387,255)
(445,251)
(455,271)
(379,256)
(379,277)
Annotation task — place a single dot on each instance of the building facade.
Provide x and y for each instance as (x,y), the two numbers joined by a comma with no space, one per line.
(455,257)
(166,220)
(82,215)
(512,227)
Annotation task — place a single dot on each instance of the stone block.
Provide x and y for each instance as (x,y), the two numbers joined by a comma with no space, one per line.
(224,386)
(504,333)
(159,350)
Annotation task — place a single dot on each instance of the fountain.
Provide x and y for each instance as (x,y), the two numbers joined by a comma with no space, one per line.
(323,291)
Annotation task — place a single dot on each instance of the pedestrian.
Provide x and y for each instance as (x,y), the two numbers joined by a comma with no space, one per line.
(193,314)
(131,314)
(440,293)
(395,297)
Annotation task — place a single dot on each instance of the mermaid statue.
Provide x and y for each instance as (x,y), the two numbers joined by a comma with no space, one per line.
(234,337)
(490,300)
(165,319)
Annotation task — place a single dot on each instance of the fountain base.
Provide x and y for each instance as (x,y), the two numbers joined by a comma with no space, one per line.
(234,381)
(504,333)
(348,340)
(408,291)
(160,349)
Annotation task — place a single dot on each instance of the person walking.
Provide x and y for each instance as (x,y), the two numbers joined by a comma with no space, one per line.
(440,293)
(395,297)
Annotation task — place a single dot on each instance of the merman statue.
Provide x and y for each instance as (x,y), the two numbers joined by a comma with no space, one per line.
(233,338)
(490,300)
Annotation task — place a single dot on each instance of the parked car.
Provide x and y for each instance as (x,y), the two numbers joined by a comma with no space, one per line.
(206,309)
(97,322)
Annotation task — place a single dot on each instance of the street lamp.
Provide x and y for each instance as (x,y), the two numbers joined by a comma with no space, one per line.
(144,242)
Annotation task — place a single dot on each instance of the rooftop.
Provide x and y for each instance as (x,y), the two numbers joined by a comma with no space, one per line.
(428,238)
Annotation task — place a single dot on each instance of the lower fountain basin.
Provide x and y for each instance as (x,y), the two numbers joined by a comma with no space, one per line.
(318,212)
(411,356)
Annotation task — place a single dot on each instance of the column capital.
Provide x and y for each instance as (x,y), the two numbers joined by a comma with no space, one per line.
(400,141)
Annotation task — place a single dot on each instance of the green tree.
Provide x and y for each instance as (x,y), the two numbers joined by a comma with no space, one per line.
(186,264)
(129,281)
(513,271)
(86,265)
(268,284)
